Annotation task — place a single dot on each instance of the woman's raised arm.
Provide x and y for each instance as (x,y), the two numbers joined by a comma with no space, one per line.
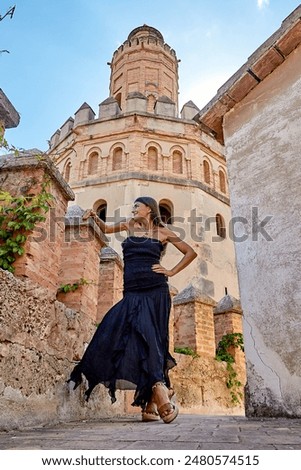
(112,228)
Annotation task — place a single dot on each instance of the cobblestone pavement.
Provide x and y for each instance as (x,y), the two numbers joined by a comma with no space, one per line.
(187,432)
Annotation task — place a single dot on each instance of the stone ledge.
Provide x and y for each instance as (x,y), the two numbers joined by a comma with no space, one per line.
(36,159)
(8,114)
(192,294)
(108,254)
(74,218)
(226,304)
(155,178)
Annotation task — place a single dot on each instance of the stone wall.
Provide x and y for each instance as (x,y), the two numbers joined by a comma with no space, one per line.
(262,136)
(40,341)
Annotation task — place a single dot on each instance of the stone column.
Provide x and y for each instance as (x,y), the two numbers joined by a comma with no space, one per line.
(194,325)
(228,319)
(110,281)
(80,263)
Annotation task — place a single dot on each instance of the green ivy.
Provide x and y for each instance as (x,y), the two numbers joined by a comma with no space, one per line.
(64,288)
(222,354)
(19,215)
(18,218)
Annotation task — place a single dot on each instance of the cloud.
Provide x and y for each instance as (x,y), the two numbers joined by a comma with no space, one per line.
(262,3)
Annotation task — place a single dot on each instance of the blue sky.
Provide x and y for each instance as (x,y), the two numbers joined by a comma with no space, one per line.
(59,49)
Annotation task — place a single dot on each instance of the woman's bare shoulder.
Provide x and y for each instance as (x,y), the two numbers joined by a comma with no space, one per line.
(168,234)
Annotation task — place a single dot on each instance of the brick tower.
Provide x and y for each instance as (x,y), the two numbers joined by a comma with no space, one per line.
(144,64)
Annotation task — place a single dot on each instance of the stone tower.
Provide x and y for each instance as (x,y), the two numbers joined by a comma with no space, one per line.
(144,64)
(139,145)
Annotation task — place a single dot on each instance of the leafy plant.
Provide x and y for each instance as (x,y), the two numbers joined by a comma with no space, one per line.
(19,214)
(5,145)
(64,288)
(222,354)
(18,218)
(186,351)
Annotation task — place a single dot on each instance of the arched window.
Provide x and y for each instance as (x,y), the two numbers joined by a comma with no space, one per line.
(166,211)
(152,158)
(93,163)
(67,171)
(220,226)
(117,159)
(101,210)
(177,162)
(222,181)
(206,170)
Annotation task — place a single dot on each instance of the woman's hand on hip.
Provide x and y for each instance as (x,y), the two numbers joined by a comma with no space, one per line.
(157,268)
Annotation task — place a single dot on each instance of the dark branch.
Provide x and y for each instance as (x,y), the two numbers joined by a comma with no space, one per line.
(10,13)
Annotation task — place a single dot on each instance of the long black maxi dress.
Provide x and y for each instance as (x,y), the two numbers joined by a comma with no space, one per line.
(129,349)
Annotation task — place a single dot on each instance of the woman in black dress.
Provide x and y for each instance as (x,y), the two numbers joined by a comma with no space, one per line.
(129,349)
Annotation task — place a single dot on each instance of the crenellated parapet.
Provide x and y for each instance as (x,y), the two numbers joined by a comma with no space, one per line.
(143,36)
(144,63)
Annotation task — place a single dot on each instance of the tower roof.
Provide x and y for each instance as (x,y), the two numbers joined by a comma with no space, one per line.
(145,29)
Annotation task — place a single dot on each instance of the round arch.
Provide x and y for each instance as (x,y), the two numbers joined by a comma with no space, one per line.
(166,211)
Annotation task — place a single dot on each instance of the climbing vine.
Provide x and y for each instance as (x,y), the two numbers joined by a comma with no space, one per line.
(18,218)
(19,214)
(65,288)
(222,354)
(5,145)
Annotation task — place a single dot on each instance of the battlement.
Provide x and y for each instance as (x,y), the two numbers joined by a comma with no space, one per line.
(141,37)
(140,43)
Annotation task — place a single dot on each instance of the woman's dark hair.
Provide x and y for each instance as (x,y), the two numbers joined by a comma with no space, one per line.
(155,212)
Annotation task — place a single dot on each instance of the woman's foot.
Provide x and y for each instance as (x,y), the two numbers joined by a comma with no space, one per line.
(168,411)
(150,412)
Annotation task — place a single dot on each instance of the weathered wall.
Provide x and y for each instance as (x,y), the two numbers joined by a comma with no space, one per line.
(200,386)
(262,138)
(40,340)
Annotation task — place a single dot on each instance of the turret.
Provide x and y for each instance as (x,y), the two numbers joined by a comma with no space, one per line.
(144,64)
